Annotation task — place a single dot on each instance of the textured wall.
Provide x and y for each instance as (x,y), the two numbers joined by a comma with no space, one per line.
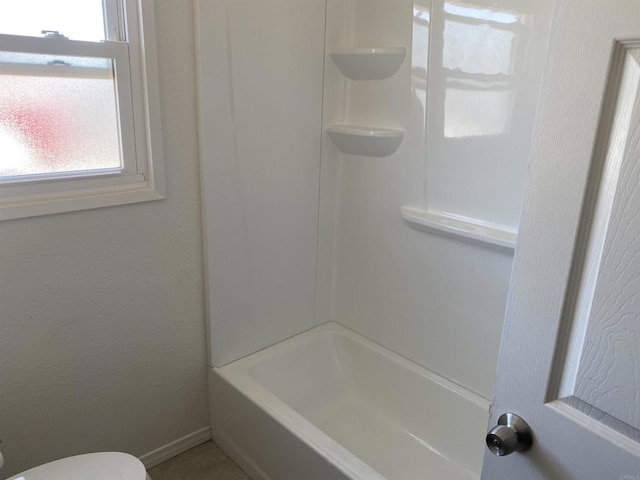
(102,334)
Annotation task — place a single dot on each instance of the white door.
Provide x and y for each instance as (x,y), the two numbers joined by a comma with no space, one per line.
(570,357)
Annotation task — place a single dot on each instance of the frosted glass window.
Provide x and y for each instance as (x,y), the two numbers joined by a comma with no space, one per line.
(473,112)
(76,19)
(16,61)
(478,48)
(57,117)
(71,135)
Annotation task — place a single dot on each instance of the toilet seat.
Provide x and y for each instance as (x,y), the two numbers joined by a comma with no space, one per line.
(94,466)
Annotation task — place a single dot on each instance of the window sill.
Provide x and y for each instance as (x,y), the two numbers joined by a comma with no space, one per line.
(85,199)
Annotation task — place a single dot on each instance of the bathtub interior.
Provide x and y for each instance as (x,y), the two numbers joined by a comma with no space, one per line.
(397,417)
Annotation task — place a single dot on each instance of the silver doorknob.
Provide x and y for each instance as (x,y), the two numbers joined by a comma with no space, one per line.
(512,434)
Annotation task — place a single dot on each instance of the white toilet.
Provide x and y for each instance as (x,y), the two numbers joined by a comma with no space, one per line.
(92,466)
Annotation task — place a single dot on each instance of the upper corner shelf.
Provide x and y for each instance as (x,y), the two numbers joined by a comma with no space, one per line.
(368,63)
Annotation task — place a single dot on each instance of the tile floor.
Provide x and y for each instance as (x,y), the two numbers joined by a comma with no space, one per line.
(204,462)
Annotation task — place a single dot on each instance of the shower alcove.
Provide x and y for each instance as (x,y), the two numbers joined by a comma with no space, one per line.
(362,171)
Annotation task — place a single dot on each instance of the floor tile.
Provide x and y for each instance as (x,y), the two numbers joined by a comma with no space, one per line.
(204,462)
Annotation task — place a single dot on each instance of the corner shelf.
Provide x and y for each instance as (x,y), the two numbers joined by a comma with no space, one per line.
(374,63)
(463,229)
(368,141)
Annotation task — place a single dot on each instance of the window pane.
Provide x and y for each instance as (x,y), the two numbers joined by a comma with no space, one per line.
(13,60)
(57,118)
(75,19)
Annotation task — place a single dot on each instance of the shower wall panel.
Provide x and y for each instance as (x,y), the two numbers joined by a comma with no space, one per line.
(465,98)
(261,70)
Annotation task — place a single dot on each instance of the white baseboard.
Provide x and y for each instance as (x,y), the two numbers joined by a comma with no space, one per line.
(176,447)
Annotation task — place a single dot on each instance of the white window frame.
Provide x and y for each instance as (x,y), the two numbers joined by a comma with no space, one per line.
(130,43)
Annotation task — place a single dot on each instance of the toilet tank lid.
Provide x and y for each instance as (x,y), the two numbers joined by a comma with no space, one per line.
(94,466)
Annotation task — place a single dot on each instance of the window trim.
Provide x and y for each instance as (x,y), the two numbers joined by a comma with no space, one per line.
(139,111)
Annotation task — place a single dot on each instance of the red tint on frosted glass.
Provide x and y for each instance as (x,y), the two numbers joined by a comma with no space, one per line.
(57,124)
(43,126)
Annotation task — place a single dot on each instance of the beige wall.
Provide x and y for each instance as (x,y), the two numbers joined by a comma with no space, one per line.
(102,333)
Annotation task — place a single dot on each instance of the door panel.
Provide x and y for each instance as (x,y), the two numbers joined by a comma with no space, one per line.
(570,355)
(602,368)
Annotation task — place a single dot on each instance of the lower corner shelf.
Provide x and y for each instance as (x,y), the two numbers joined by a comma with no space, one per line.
(364,140)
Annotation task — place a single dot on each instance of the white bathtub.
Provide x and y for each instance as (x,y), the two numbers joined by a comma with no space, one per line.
(329,404)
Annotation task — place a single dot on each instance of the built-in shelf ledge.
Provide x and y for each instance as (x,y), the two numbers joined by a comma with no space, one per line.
(376,63)
(463,229)
(368,141)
